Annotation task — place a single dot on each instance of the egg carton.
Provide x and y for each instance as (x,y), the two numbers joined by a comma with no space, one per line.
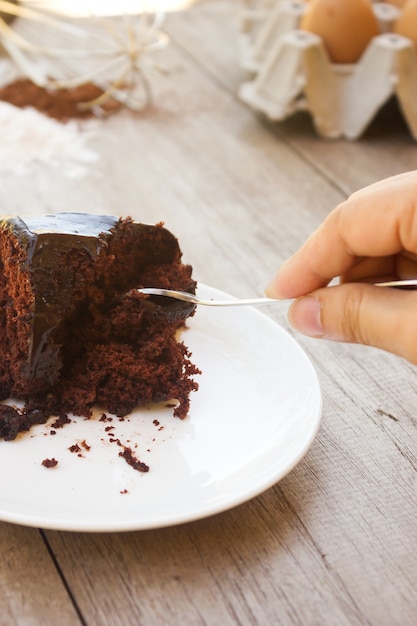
(291,71)
(262,22)
(253,15)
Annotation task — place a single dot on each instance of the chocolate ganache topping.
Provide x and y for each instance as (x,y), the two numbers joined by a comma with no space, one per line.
(47,239)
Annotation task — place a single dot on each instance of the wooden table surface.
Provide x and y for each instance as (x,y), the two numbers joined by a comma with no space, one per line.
(335,541)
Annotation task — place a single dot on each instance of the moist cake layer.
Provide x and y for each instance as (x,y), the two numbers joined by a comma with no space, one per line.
(73,330)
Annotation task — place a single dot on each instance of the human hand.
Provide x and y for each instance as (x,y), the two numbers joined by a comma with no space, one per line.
(371,236)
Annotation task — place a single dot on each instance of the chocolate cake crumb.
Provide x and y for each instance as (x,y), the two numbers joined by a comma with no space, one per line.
(74,448)
(61,421)
(131,460)
(13,420)
(85,445)
(50,462)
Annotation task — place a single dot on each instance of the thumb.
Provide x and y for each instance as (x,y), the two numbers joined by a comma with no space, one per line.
(360,313)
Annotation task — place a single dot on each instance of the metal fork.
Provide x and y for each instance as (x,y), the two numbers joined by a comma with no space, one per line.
(189,297)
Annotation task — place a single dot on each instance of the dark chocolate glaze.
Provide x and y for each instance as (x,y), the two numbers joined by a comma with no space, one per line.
(44,238)
(56,230)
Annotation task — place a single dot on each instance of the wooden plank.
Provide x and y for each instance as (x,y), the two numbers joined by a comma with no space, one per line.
(31,590)
(238,568)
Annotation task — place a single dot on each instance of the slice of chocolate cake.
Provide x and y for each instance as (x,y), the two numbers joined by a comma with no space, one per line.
(74,332)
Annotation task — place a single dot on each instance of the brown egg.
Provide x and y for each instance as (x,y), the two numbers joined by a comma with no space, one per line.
(346,27)
(406,24)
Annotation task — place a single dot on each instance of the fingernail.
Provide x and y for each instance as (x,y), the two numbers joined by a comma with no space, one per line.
(304,315)
(271,292)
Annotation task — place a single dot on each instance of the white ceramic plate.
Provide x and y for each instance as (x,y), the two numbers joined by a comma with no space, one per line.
(255,415)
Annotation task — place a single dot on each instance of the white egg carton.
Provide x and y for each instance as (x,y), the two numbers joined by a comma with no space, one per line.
(291,71)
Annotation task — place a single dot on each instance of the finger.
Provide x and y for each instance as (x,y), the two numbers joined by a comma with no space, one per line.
(406,266)
(400,266)
(378,221)
(360,313)
(371,270)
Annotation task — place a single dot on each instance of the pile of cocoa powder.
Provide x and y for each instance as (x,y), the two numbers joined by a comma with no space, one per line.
(60,104)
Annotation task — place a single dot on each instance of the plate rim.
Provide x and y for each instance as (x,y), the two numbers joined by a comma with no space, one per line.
(261,486)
